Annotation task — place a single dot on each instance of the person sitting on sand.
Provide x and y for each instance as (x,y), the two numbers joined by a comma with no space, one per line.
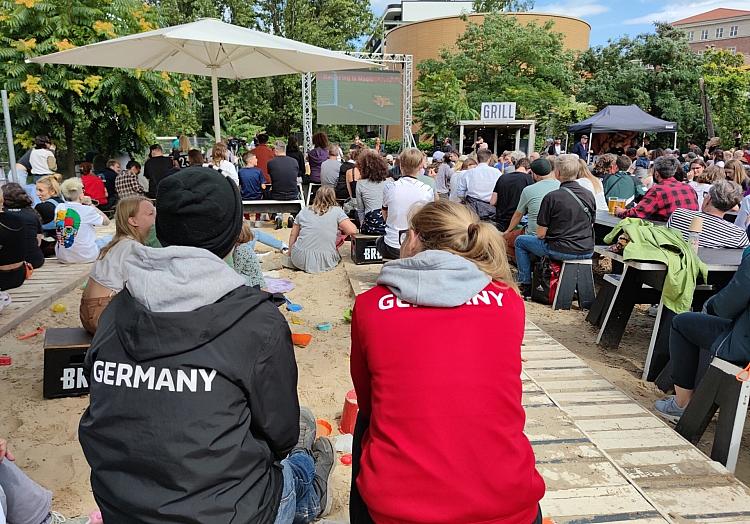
(413,391)
(245,260)
(48,192)
(723,329)
(18,203)
(374,172)
(134,218)
(193,413)
(12,251)
(75,220)
(314,236)
(21,499)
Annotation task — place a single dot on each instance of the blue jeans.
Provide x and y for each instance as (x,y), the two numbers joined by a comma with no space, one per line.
(264,238)
(527,245)
(300,503)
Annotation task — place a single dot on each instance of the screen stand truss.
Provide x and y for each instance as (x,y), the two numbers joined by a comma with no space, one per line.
(407,69)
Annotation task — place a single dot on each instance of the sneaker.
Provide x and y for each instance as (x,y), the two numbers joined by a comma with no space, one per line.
(653,310)
(284,249)
(668,408)
(325,462)
(290,222)
(306,428)
(5,300)
(279,222)
(57,518)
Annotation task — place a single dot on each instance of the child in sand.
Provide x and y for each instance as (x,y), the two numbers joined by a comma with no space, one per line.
(439,434)
(245,260)
(134,218)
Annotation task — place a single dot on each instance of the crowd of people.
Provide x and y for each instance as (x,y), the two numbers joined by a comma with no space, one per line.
(194,413)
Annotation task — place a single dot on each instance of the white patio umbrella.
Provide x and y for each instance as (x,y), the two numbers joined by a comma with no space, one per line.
(208,47)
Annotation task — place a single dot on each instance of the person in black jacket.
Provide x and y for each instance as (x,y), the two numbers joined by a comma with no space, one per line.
(193,414)
(156,168)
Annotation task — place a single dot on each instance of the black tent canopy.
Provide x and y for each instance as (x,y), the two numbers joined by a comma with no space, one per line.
(623,118)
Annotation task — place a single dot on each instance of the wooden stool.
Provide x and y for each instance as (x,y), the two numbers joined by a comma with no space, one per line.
(720,390)
(64,351)
(575,275)
(364,250)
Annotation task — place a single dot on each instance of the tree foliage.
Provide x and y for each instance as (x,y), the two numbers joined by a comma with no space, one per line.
(656,71)
(498,6)
(728,89)
(442,102)
(116,108)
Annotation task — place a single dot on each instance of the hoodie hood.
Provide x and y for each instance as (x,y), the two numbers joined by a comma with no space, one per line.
(433,278)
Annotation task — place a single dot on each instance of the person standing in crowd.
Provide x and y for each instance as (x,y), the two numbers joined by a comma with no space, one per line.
(400,197)
(264,154)
(283,171)
(723,329)
(18,203)
(722,196)
(42,158)
(454,269)
(508,188)
(93,186)
(252,183)
(134,218)
(219,162)
(293,151)
(444,174)
(127,184)
(564,224)
(329,170)
(315,232)
(593,184)
(317,156)
(48,192)
(477,186)
(109,176)
(666,195)
(213,391)
(75,220)
(581,148)
(619,183)
(374,172)
(155,169)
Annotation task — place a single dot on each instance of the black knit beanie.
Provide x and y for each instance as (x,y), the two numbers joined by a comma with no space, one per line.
(199,207)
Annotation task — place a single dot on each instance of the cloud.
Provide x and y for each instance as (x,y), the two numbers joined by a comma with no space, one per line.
(678,10)
(378,6)
(582,9)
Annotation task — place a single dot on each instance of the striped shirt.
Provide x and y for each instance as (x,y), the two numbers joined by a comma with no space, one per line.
(717,232)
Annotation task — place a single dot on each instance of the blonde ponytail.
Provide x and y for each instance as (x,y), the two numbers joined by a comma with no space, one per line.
(452,227)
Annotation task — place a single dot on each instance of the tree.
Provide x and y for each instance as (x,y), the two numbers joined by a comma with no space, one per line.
(498,6)
(442,101)
(117,108)
(656,71)
(728,89)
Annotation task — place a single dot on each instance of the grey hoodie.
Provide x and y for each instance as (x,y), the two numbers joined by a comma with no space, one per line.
(433,278)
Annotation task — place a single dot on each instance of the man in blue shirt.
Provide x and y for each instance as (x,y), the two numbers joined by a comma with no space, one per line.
(252,182)
(582,148)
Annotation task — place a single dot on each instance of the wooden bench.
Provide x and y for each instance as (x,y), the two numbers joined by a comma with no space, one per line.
(364,250)
(64,352)
(272,206)
(575,275)
(719,390)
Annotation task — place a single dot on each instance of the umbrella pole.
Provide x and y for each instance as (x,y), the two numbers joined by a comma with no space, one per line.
(215,96)
(675,140)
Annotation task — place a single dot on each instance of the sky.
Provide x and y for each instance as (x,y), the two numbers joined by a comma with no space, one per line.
(610,19)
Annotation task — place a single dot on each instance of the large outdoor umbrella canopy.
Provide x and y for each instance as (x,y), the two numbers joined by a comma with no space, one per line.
(208,47)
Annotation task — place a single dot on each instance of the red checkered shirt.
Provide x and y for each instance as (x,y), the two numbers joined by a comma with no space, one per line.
(663,198)
(127,185)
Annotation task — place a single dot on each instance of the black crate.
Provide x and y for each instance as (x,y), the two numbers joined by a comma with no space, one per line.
(64,351)
(364,250)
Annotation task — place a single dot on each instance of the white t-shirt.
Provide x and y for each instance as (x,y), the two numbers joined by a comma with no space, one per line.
(398,198)
(76,237)
(601,201)
(109,271)
(227,169)
(479,183)
(38,161)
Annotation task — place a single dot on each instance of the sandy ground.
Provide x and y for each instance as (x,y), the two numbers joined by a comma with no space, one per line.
(43,433)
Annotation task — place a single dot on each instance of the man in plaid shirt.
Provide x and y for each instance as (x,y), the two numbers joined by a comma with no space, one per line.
(666,195)
(127,182)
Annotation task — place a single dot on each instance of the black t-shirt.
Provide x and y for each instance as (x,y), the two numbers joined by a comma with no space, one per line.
(109,176)
(155,170)
(32,226)
(283,171)
(341,192)
(508,188)
(569,228)
(12,245)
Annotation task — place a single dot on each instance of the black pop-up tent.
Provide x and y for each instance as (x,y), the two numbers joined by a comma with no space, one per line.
(623,118)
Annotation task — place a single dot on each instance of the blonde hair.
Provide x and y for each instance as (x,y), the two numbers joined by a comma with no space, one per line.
(218,153)
(410,160)
(583,172)
(567,167)
(52,183)
(325,199)
(126,208)
(739,175)
(642,151)
(452,227)
(710,175)
(246,233)
(72,189)
(184,144)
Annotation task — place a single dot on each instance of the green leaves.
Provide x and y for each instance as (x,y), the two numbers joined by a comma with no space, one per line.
(728,89)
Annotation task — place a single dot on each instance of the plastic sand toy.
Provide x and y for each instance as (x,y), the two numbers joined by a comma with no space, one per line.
(59,308)
(325,326)
(291,306)
(301,339)
(323,428)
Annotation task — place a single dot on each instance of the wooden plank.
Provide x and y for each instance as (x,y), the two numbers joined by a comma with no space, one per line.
(599,501)
(616,424)
(604,410)
(582,397)
(555,364)
(575,385)
(695,501)
(565,476)
(638,438)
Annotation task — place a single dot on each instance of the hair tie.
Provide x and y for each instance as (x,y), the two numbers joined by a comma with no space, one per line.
(473,229)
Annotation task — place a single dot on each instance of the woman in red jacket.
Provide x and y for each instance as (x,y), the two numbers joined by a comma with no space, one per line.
(436,363)
(93,186)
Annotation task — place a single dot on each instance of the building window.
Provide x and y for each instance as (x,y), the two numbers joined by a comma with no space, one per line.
(691,36)
(732,50)
(719,32)
(704,34)
(733,30)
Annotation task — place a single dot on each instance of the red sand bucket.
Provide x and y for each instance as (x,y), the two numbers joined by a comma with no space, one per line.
(349,415)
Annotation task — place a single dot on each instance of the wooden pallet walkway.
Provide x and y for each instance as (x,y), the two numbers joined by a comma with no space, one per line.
(603,457)
(47,284)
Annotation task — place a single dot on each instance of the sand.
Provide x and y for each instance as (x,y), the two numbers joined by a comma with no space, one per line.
(43,433)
